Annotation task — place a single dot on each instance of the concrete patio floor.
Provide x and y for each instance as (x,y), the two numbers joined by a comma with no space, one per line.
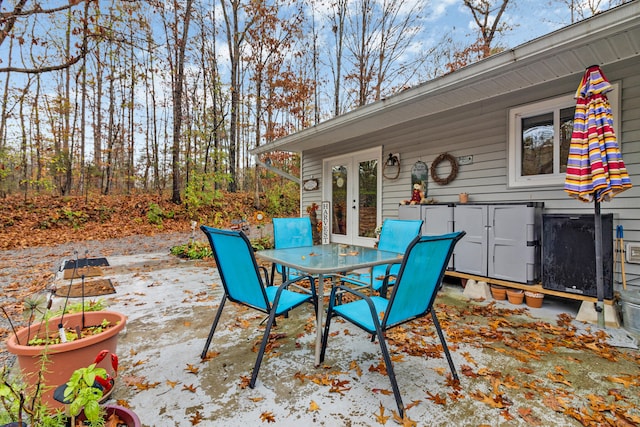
(170,305)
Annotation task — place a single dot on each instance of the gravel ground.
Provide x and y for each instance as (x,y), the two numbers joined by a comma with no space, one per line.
(16,263)
(31,270)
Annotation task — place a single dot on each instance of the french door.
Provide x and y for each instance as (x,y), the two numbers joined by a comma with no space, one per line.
(352,184)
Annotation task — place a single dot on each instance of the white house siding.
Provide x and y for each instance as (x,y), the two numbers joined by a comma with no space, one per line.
(481,130)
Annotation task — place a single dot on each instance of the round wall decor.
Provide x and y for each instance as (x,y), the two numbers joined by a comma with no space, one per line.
(454,168)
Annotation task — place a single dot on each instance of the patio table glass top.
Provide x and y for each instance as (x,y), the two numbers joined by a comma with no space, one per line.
(328,259)
(324,260)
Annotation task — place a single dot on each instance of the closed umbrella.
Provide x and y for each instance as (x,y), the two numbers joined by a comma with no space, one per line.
(595,169)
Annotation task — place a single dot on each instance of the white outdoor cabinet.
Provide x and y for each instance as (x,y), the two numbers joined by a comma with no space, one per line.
(502,241)
(437,219)
(409,212)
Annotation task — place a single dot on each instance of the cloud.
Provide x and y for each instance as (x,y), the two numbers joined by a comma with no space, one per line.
(439,9)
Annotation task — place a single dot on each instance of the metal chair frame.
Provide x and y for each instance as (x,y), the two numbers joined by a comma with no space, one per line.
(418,282)
(244,283)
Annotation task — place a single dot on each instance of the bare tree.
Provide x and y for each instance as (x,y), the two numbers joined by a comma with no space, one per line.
(487,15)
(236,36)
(337,19)
(378,36)
(582,9)
(177,32)
(22,10)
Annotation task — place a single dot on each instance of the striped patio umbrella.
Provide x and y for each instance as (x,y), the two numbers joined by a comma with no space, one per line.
(595,169)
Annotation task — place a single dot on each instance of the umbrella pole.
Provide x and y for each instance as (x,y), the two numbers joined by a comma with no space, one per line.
(599,270)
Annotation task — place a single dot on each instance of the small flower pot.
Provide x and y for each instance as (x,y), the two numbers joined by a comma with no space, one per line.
(534,299)
(499,292)
(127,416)
(515,296)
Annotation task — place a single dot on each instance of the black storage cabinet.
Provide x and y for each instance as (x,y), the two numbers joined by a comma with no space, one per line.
(569,254)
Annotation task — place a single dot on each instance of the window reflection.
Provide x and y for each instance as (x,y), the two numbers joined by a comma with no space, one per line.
(367,205)
(339,199)
(537,145)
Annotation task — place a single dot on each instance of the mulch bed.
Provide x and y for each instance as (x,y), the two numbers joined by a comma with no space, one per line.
(92,288)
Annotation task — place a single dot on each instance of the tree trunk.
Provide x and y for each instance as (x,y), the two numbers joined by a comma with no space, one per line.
(178,87)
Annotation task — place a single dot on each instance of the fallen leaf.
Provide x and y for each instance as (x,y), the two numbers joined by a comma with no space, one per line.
(382,391)
(381,417)
(190,388)
(192,369)
(339,386)
(196,418)
(267,416)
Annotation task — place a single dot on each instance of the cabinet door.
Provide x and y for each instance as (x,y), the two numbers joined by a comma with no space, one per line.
(471,251)
(409,212)
(507,239)
(438,219)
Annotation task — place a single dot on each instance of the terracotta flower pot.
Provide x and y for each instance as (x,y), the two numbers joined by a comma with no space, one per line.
(499,292)
(62,359)
(534,299)
(515,296)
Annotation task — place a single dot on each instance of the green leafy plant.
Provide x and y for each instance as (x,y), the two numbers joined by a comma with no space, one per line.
(260,243)
(192,250)
(22,405)
(86,388)
(70,334)
(201,192)
(155,214)
(92,305)
(81,394)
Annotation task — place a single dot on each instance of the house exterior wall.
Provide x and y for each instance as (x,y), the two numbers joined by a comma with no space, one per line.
(481,130)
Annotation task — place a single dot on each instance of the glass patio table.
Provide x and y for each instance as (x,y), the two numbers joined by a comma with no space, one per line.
(324,260)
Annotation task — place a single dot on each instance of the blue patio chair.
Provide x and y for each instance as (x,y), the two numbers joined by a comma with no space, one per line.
(417,283)
(290,233)
(395,236)
(243,281)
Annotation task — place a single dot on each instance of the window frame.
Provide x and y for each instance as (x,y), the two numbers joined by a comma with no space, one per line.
(551,105)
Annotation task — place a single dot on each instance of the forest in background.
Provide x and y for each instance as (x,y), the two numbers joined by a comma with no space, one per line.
(46,220)
(120,97)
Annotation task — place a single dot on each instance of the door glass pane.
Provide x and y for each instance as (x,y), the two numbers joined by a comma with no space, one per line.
(367,203)
(566,129)
(339,199)
(537,145)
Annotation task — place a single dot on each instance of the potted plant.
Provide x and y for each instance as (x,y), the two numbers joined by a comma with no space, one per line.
(51,349)
(84,392)
(20,407)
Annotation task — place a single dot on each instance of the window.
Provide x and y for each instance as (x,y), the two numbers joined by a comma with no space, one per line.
(539,138)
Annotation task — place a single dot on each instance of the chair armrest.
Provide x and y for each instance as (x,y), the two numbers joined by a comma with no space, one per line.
(265,273)
(311,280)
(352,291)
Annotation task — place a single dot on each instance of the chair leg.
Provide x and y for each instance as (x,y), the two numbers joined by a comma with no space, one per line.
(392,376)
(444,344)
(213,327)
(263,346)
